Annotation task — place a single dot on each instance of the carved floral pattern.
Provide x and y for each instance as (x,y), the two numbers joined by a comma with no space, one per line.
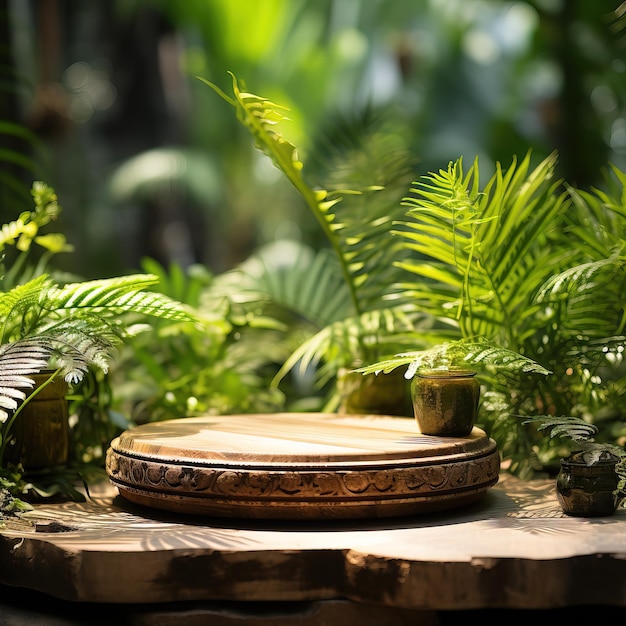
(229,484)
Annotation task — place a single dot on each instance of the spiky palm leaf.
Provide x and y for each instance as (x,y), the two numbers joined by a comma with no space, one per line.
(352,221)
(356,223)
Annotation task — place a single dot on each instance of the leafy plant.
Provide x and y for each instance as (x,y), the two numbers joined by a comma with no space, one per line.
(217,367)
(480,253)
(66,328)
(580,434)
(536,267)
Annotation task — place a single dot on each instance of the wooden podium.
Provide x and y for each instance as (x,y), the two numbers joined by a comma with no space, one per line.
(300,466)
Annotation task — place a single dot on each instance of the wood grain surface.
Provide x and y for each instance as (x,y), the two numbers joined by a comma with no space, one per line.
(514,548)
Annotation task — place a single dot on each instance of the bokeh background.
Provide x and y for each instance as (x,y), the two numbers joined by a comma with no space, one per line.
(148,161)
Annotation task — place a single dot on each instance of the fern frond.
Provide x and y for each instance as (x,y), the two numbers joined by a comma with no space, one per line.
(77,345)
(18,360)
(115,295)
(474,354)
(16,303)
(565,426)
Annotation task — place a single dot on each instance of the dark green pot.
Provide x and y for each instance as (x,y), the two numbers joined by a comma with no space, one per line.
(374,394)
(445,402)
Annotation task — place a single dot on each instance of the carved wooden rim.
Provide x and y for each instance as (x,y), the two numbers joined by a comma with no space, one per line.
(306,493)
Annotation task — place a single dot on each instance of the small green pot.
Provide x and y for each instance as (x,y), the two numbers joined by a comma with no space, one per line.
(445,402)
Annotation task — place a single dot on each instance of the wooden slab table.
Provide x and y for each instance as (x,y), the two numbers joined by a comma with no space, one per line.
(511,549)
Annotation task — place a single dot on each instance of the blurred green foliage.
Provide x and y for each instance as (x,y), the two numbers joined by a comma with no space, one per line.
(98,85)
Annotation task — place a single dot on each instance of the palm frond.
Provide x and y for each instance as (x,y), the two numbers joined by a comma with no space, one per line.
(292,277)
(574,294)
(588,312)
(355,221)
(355,206)
(485,248)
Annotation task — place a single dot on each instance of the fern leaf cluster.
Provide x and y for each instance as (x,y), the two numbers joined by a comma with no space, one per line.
(66,328)
(535,266)
(480,253)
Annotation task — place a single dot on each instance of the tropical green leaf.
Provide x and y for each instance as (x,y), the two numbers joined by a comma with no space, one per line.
(340,344)
(489,245)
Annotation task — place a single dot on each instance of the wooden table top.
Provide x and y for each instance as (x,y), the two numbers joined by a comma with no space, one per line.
(292,439)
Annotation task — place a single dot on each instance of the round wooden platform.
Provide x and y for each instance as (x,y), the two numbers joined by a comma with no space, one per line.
(299,466)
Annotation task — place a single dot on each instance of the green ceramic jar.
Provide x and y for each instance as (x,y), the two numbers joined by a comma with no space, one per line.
(445,402)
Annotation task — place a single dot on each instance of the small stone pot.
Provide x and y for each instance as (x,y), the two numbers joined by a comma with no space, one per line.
(587,490)
(445,402)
